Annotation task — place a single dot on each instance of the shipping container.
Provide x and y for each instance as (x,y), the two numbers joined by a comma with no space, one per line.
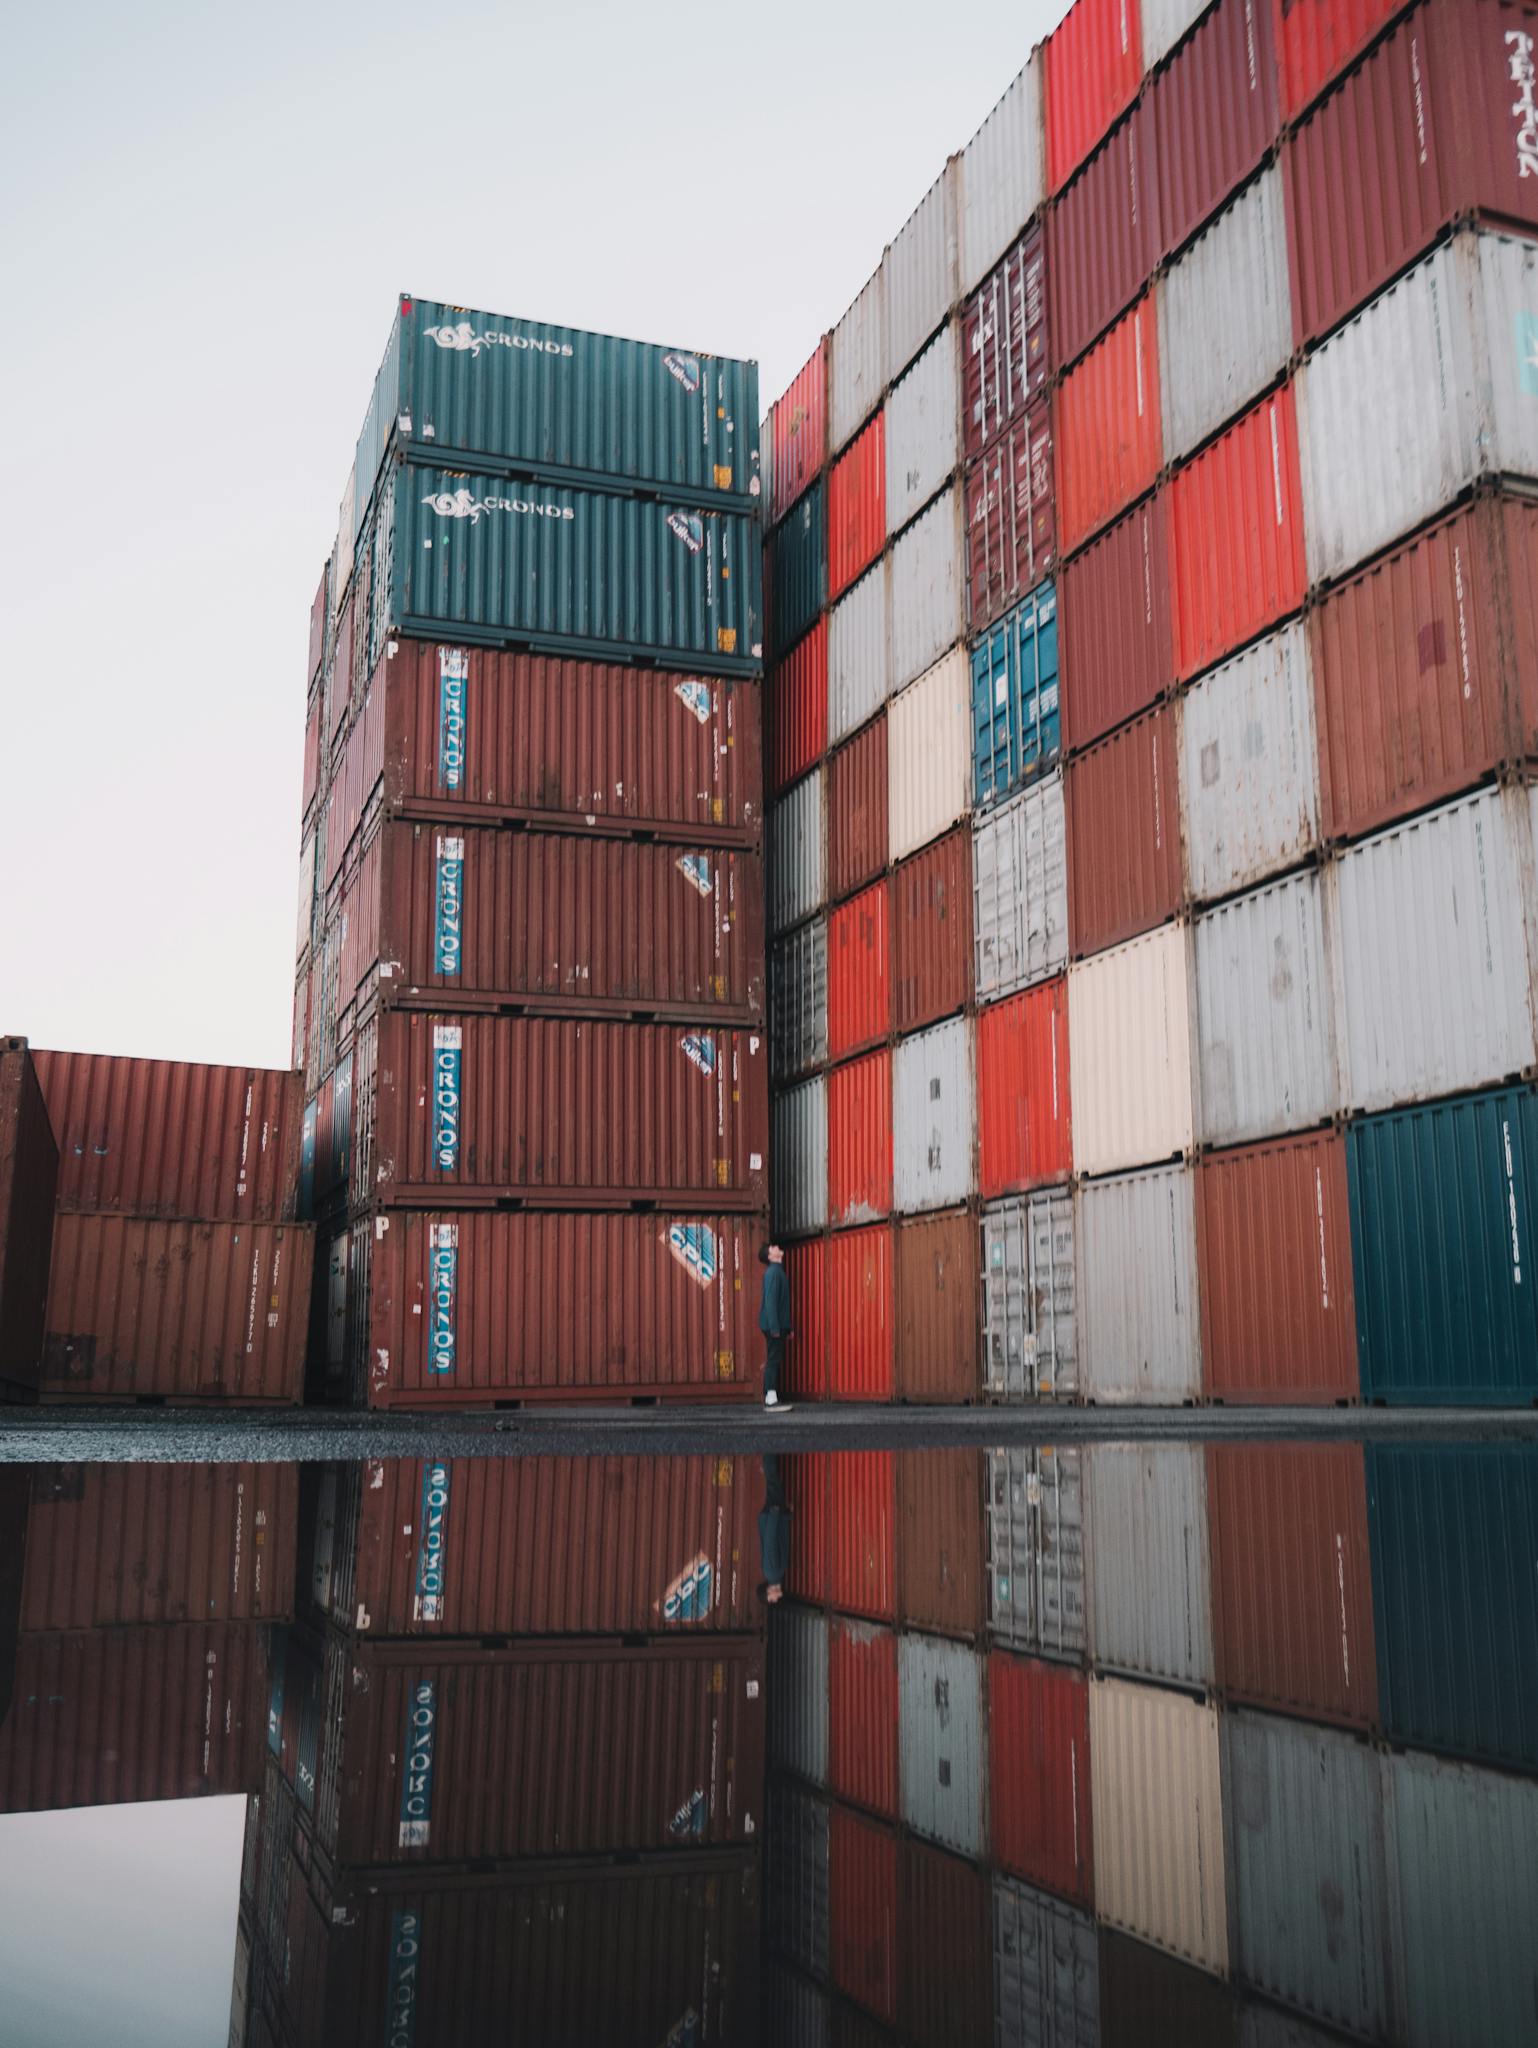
(943,1737)
(935,1339)
(1016,729)
(859,1145)
(796,1876)
(857,361)
(934,1117)
(857,499)
(1103,237)
(927,583)
(797,2014)
(944,1947)
(1039,1785)
(807,1495)
(941,1571)
(932,933)
(920,272)
(1046,1971)
(1006,358)
(1129,1048)
(929,749)
(796,444)
(1147,1996)
(1019,862)
(860,1314)
(796,710)
(1002,174)
(1030,1298)
(1150,1594)
(795,569)
(1138,1326)
(799,1178)
(1118,637)
(1008,509)
(1158,1818)
(1273,1236)
(1109,445)
(921,431)
(798,1001)
(862,1534)
(1094,61)
(806,1350)
(1121,801)
(795,854)
(320,623)
(859,655)
(29,1167)
(859,973)
(862,1911)
(863,1714)
(1024,1095)
(1216,110)
(1166,23)
(1319,38)
(858,805)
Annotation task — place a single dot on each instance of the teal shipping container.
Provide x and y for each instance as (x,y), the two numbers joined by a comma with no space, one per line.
(485,391)
(798,568)
(1454,1533)
(1016,722)
(557,571)
(1444,1204)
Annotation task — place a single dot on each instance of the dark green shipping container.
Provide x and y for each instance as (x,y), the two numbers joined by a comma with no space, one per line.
(798,567)
(1444,1203)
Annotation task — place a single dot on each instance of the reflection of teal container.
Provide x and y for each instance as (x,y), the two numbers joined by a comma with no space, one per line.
(1016,722)
(798,571)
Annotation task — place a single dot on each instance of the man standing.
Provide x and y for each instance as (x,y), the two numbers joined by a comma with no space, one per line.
(774,1319)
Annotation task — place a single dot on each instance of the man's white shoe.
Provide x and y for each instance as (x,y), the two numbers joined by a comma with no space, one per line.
(771,1399)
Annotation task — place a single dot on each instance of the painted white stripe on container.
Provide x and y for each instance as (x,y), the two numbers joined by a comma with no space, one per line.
(795,869)
(921,430)
(1164,22)
(1002,176)
(1150,1595)
(926,589)
(1020,891)
(921,273)
(798,1000)
(798,1165)
(857,362)
(1139,1316)
(929,755)
(859,656)
(1030,1297)
(942,1752)
(934,1118)
(1129,1052)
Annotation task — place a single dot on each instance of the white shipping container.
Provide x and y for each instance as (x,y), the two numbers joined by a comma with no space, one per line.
(1150,1589)
(934,1118)
(1430,935)
(305,929)
(942,1749)
(1265,1024)
(1426,389)
(857,363)
(795,864)
(859,657)
(920,270)
(921,430)
(1156,1792)
(1020,891)
(1002,176)
(1139,1315)
(1030,1297)
(1129,1052)
(798,1165)
(1164,23)
(929,755)
(1249,778)
(926,589)
(798,1000)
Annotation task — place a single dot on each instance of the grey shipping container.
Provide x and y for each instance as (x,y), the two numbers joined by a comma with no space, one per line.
(859,654)
(921,431)
(1037,1576)
(798,1691)
(1046,1971)
(1020,891)
(1030,1341)
(1139,1324)
(795,855)
(798,1177)
(797,2013)
(798,1001)
(1150,1574)
(920,269)
(942,1741)
(934,1109)
(857,362)
(796,1877)
(926,589)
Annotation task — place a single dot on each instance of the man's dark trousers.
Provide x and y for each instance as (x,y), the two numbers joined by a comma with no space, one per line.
(774,1358)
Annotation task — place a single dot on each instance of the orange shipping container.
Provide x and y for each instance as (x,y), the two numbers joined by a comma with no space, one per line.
(860,1139)
(862,1714)
(932,955)
(857,810)
(797,441)
(935,1342)
(859,981)
(941,1568)
(1109,442)
(857,507)
(796,703)
(859,1314)
(1024,1120)
(862,1535)
(806,1355)
(1122,808)
(1094,64)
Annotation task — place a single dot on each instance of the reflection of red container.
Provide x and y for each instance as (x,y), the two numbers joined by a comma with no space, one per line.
(1005,359)
(860,1139)
(945,1921)
(1038,1779)
(935,1344)
(1010,520)
(940,1547)
(1024,1119)
(857,507)
(862,1550)
(862,1714)
(797,441)
(1121,803)
(857,810)
(1118,650)
(1094,62)
(806,1491)
(806,1355)
(932,932)
(1103,235)
(796,707)
(1110,445)
(1216,110)
(859,982)
(862,1911)
(860,1314)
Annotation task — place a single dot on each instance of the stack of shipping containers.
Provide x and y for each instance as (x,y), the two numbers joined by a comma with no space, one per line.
(29,1172)
(530,956)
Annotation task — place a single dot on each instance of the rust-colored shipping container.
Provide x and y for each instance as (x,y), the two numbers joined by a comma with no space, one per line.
(1103,237)
(862,1911)
(29,1166)
(1292,1608)
(796,445)
(796,706)
(806,1354)
(1094,62)
(1427,130)
(476,1307)
(1146,1996)
(140,1309)
(1236,535)
(860,1314)
(857,507)
(173,1137)
(130,1545)
(1024,1111)
(1039,1782)
(1216,110)
(339,679)
(1121,803)
(564,1111)
(859,977)
(320,618)
(113,1716)
(1117,635)
(945,1921)
(935,1341)
(860,1140)
(1006,358)
(1109,441)
(807,1482)
(1319,38)
(932,933)
(862,1715)
(1011,520)
(1426,667)
(1273,1238)
(941,1569)
(862,1534)
(310,788)
(857,810)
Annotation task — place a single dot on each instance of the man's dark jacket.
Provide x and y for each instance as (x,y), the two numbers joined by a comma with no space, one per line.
(774,1308)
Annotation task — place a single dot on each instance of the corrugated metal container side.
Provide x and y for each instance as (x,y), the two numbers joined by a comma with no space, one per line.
(795,2011)
(1036,1566)
(859,655)
(1453,67)
(927,580)
(857,507)
(1236,535)
(798,1001)
(796,709)
(1016,726)
(1426,667)
(858,805)
(1122,805)
(859,1147)
(1463,1875)
(1118,636)
(29,1163)
(1030,1296)
(1292,1579)
(796,444)
(1147,1996)
(807,1492)
(796,1876)
(1046,1971)
(795,858)
(1267,2026)
(941,1573)
(1320,38)
(857,361)
(1039,1784)
(1216,109)
(177,1312)
(1265,1036)
(860,1315)
(1165,23)
(1454,1532)
(1024,1098)
(806,1353)
(1158,1815)
(920,268)
(1150,1595)
(1249,785)
(1011,524)
(796,570)
(929,748)
(862,1714)
(1001,174)
(1306,1864)
(320,620)
(859,973)
(1430,924)
(1103,237)
(1094,61)
(934,1117)
(921,427)
(799,1178)
(936,1336)
(1388,435)
(1020,894)
(945,1948)
(862,1912)
(1273,1237)
(1110,446)
(943,1738)
(1138,1326)
(1129,1047)
(797,1735)
(1444,1200)
(1006,357)
(932,933)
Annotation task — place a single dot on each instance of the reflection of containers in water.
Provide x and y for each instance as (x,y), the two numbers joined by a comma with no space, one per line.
(943,1740)
(1039,1780)
(863,1714)
(1024,1107)
(1150,1602)
(944,1947)
(859,1314)
(28,1174)
(1046,1968)
(1015,719)
(1036,1551)
(796,1876)
(932,933)
(1139,1323)
(806,1492)
(1029,1284)
(941,1571)
(936,1329)
(862,1911)
(862,1534)
(934,1116)
(797,1738)
(1020,891)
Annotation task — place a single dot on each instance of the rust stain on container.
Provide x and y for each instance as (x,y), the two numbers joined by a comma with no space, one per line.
(932,933)
(862,1715)
(857,810)
(1216,110)
(859,979)
(859,1314)
(29,1165)
(860,1139)
(1103,237)
(1122,806)
(941,1572)
(937,1298)
(1118,647)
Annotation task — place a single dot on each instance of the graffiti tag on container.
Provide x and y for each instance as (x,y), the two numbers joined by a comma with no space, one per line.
(685,368)
(694,1247)
(690,1818)
(689,1595)
(695,869)
(700,1049)
(694,695)
(689,528)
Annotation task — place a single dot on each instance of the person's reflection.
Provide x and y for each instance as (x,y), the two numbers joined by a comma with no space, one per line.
(773,1532)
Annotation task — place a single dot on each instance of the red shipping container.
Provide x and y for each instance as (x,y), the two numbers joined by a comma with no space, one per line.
(859,980)
(339,677)
(807,1480)
(857,507)
(862,1911)
(1426,668)
(1216,110)
(1427,130)
(1273,1239)
(1236,536)
(1005,357)
(945,1918)
(1117,640)
(1103,237)
(1094,63)
(797,440)
(932,933)
(862,1548)
(806,1353)
(311,785)
(1011,521)
(862,1715)
(1109,443)
(29,1165)
(860,1140)
(936,1339)
(1024,1115)
(797,705)
(941,1568)
(1038,1781)
(857,810)
(1292,1614)
(1146,1996)
(139,1309)
(1319,38)
(1121,803)
(860,1314)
